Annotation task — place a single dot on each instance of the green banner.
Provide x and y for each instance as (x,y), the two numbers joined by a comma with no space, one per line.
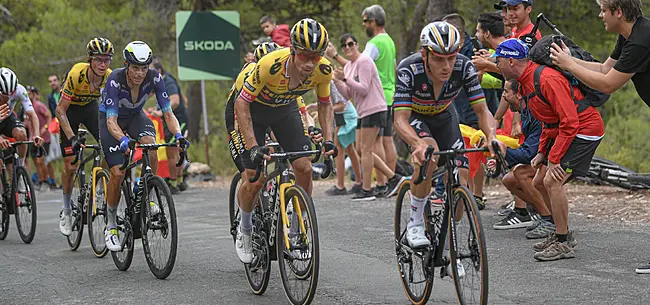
(207,45)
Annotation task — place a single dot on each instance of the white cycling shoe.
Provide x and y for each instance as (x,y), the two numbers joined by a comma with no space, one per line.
(113,240)
(416,237)
(244,246)
(65,224)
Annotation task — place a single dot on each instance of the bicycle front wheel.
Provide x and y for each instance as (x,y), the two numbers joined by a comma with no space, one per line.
(159,231)
(4,219)
(25,205)
(469,263)
(297,246)
(233,207)
(74,239)
(123,259)
(259,270)
(96,214)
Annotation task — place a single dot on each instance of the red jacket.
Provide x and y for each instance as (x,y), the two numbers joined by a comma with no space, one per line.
(555,88)
(280,35)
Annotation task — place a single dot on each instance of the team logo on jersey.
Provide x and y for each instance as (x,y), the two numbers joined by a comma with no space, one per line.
(417,68)
(425,87)
(275,68)
(81,77)
(424,134)
(115,84)
(114,148)
(325,69)
(157,79)
(109,101)
(404,77)
(164,94)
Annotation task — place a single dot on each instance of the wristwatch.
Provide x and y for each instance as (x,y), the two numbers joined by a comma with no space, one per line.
(345,79)
(335,55)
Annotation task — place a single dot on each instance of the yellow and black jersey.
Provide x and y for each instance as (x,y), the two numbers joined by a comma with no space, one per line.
(77,87)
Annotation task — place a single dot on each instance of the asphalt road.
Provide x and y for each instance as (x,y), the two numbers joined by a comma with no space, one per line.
(357,262)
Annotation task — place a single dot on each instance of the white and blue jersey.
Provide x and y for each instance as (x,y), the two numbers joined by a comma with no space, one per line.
(117,100)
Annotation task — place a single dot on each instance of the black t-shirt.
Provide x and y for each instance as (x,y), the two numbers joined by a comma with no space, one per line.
(171,85)
(633,56)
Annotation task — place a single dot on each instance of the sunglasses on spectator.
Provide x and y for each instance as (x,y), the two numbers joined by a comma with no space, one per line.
(349,44)
(366,20)
(309,56)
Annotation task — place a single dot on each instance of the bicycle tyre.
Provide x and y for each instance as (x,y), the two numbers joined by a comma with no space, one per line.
(233,207)
(4,218)
(296,191)
(74,239)
(402,257)
(262,258)
(476,247)
(29,205)
(157,186)
(97,215)
(123,259)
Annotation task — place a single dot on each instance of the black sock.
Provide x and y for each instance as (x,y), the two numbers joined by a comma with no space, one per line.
(561,237)
(521,211)
(548,218)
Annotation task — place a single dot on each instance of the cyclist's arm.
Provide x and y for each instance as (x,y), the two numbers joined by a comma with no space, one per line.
(28,109)
(253,85)
(243,110)
(402,101)
(61,111)
(165,105)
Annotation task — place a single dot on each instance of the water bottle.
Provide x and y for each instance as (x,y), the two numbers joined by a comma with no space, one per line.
(437,208)
(137,189)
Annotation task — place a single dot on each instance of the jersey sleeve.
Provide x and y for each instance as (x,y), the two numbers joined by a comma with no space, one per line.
(21,92)
(69,84)
(323,87)
(239,82)
(301,104)
(263,72)
(371,50)
(472,84)
(161,94)
(109,96)
(403,98)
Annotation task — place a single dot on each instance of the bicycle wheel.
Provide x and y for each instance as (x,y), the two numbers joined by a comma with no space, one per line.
(298,263)
(417,282)
(74,239)
(158,225)
(259,270)
(4,219)
(25,205)
(468,253)
(233,207)
(123,259)
(96,214)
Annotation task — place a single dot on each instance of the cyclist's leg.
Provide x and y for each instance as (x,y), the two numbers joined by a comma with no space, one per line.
(19,133)
(141,128)
(114,158)
(292,136)
(74,115)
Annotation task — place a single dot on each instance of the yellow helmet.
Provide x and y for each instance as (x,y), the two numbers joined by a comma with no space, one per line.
(309,35)
(100,46)
(265,48)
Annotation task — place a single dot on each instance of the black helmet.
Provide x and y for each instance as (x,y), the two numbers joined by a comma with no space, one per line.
(310,36)
(100,46)
(265,48)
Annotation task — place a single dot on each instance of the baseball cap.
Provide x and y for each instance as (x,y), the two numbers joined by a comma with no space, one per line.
(31,89)
(499,5)
(517,2)
(511,48)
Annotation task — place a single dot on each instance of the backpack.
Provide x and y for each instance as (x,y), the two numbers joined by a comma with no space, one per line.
(540,53)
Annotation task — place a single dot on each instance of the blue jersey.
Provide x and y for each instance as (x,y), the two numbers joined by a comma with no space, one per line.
(117,100)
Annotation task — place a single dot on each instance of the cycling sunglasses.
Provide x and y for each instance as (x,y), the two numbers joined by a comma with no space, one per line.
(308,56)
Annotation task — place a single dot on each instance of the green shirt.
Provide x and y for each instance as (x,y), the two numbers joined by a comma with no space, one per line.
(489,81)
(381,49)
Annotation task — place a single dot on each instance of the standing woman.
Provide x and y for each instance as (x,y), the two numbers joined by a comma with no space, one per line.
(359,81)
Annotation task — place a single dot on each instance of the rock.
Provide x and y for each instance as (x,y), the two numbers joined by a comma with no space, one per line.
(197,168)
(590,216)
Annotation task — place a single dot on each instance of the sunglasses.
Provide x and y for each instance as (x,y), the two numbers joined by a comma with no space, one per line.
(366,20)
(349,44)
(309,56)
(102,60)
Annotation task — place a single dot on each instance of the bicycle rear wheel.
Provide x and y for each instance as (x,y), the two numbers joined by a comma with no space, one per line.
(259,270)
(74,239)
(4,219)
(469,263)
(96,214)
(158,216)
(123,259)
(25,205)
(298,262)
(410,264)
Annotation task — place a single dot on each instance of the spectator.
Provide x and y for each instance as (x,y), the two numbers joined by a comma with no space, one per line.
(629,60)
(466,114)
(503,12)
(53,98)
(568,142)
(519,16)
(176,178)
(278,33)
(360,82)
(249,58)
(44,172)
(519,181)
(381,49)
(345,118)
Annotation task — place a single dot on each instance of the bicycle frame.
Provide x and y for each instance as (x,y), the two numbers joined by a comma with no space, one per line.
(81,173)
(10,154)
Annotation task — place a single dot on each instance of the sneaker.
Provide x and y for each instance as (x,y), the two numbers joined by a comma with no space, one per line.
(480,202)
(393,185)
(364,195)
(541,246)
(537,220)
(113,240)
(183,186)
(244,246)
(643,269)
(513,221)
(416,237)
(556,250)
(505,209)
(460,267)
(65,224)
(335,191)
(355,188)
(542,230)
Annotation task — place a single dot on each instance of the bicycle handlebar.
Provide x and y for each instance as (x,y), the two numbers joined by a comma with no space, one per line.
(290,155)
(147,147)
